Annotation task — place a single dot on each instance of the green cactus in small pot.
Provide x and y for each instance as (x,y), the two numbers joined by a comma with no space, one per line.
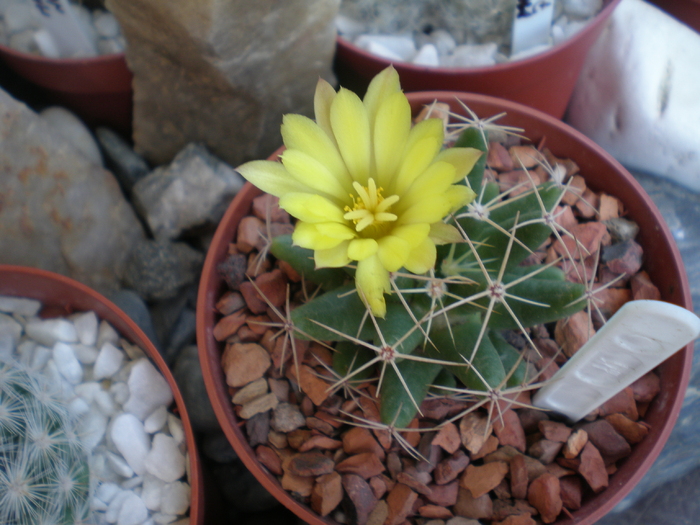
(44,476)
(422,264)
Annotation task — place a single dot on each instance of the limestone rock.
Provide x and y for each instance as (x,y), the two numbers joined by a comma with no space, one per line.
(60,211)
(637,93)
(232,69)
(193,191)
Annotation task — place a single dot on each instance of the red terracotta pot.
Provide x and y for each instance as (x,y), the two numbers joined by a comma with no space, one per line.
(62,296)
(97,89)
(602,173)
(544,81)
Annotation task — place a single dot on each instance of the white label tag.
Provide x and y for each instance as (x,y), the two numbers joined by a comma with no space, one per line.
(532,24)
(639,337)
(61,22)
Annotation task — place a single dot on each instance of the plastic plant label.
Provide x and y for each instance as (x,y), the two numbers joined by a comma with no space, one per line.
(640,336)
(63,34)
(532,24)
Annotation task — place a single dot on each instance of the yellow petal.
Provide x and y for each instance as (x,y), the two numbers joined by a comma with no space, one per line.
(463,159)
(383,85)
(458,196)
(391,129)
(308,236)
(433,181)
(429,210)
(422,258)
(336,230)
(311,208)
(441,233)
(271,177)
(423,144)
(315,175)
(360,249)
(393,252)
(413,234)
(372,281)
(351,129)
(323,98)
(332,258)
(303,134)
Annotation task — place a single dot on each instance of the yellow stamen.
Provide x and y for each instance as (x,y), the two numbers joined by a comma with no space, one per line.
(369,207)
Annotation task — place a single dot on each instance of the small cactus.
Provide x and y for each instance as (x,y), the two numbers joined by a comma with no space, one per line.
(44,477)
(436,322)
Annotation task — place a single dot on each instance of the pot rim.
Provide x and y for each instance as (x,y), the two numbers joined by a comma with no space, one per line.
(127,328)
(80,61)
(588,153)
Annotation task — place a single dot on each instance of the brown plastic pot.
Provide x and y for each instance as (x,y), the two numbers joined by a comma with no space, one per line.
(544,81)
(602,173)
(62,296)
(98,89)
(687,11)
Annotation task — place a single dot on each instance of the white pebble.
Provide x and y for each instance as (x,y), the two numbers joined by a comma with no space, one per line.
(474,56)
(427,56)
(131,441)
(119,466)
(19,305)
(582,8)
(115,506)
(105,403)
(399,47)
(46,44)
(50,331)
(132,483)
(78,407)
(11,328)
(151,492)
(110,46)
(164,519)
(93,426)
(86,324)
(85,354)
(67,364)
(148,390)
(7,346)
(105,24)
(108,362)
(106,334)
(133,511)
(348,27)
(120,392)
(165,461)
(20,16)
(443,41)
(54,378)
(41,356)
(88,390)
(97,505)
(24,41)
(176,428)
(175,498)
(155,421)
(106,492)
(25,351)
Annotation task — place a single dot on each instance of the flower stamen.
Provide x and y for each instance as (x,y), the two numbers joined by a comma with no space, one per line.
(370,208)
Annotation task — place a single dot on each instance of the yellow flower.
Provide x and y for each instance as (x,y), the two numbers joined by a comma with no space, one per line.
(365,185)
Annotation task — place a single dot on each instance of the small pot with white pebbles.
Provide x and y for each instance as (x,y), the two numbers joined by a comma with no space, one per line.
(116,400)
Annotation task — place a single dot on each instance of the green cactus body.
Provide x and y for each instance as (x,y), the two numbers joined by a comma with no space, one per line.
(444,330)
(44,476)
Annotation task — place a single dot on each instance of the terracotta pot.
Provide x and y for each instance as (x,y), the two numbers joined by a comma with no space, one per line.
(602,173)
(62,296)
(544,81)
(97,89)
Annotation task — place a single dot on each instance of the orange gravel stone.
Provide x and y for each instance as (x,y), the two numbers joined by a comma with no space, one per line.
(481,480)
(544,495)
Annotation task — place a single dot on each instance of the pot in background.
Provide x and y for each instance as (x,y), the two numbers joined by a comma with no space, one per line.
(544,81)
(61,296)
(602,173)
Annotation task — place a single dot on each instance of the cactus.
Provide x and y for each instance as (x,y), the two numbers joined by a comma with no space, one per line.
(44,477)
(435,323)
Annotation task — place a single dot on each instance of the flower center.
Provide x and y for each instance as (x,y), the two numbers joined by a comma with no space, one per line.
(370,208)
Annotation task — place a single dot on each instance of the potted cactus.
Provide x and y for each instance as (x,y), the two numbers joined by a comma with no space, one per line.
(409,337)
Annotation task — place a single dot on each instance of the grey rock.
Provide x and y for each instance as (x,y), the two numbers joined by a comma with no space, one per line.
(232,69)
(165,315)
(287,417)
(183,332)
(216,447)
(188,375)
(60,211)
(124,162)
(159,269)
(193,191)
(134,306)
(240,488)
(257,428)
(73,129)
